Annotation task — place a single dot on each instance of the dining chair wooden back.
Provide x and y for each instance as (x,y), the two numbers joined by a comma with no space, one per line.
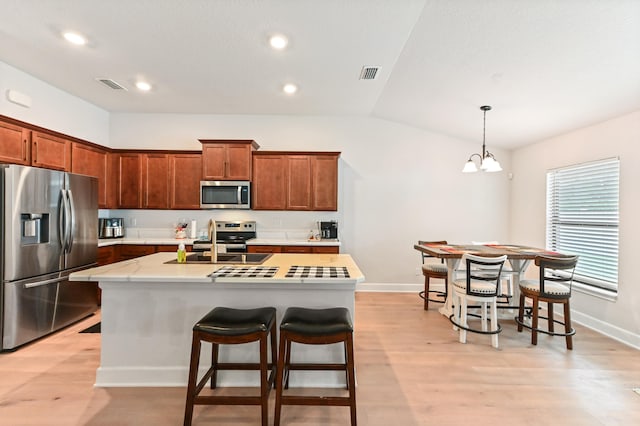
(430,271)
(553,286)
(479,284)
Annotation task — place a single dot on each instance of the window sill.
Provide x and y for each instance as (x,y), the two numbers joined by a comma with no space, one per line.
(609,295)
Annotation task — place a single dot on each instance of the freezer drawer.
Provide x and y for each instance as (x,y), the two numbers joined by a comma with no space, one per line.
(76,300)
(28,309)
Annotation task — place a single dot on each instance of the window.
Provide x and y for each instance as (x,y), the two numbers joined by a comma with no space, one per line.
(582,219)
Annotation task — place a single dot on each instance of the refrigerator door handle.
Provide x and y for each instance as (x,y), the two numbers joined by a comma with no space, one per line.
(72,221)
(45,282)
(62,218)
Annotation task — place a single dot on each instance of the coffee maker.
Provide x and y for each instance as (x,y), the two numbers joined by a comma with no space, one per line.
(329,230)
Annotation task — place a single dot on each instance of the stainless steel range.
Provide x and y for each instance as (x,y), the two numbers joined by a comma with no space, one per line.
(230,236)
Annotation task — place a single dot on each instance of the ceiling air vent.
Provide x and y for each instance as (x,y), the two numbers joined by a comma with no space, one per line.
(110,83)
(369,73)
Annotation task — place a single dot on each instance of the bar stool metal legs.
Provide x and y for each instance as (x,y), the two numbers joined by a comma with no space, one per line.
(315,327)
(232,326)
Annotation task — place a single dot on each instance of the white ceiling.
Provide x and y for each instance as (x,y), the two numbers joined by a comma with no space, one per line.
(546,66)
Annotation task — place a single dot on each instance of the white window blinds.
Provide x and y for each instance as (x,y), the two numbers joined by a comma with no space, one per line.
(582,219)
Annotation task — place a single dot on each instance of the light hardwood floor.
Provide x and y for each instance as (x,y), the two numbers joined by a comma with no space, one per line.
(410,368)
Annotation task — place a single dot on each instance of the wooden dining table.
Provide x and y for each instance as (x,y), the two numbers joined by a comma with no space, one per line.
(518,256)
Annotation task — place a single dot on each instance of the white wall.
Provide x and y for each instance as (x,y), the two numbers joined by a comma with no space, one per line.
(398,184)
(614,138)
(52,108)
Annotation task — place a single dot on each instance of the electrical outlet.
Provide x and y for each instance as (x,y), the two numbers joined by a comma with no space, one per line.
(417,272)
(133,221)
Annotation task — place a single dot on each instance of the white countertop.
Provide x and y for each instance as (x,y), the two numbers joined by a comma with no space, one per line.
(189,241)
(152,268)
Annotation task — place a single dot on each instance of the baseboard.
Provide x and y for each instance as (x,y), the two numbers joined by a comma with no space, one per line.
(612,331)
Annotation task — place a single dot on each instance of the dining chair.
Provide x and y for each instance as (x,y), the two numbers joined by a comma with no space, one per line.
(507,273)
(479,284)
(430,271)
(553,286)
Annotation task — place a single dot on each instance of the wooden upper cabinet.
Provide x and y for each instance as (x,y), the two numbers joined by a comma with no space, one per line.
(15,144)
(295,181)
(227,159)
(155,181)
(268,188)
(324,180)
(92,161)
(299,195)
(129,181)
(185,171)
(51,152)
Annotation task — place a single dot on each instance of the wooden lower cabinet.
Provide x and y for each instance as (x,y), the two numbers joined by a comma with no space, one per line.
(264,249)
(293,249)
(131,251)
(168,248)
(106,255)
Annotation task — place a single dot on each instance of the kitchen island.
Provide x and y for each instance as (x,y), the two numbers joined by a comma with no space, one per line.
(149,308)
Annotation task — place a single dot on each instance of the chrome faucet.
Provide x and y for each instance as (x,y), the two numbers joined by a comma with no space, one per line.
(213,235)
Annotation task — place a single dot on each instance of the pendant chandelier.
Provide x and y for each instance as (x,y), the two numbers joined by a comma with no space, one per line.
(488,162)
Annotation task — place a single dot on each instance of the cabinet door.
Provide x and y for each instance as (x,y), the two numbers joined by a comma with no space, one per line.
(325,250)
(214,158)
(15,144)
(264,249)
(325,182)
(296,249)
(129,181)
(269,182)
(106,255)
(238,165)
(50,152)
(298,182)
(90,161)
(131,251)
(225,160)
(185,171)
(155,181)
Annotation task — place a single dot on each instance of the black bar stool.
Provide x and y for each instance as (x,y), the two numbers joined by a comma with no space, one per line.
(315,327)
(230,327)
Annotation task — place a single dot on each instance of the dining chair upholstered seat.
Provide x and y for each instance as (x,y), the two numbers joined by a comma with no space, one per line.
(433,271)
(481,284)
(231,326)
(550,288)
(315,327)
(553,286)
(438,268)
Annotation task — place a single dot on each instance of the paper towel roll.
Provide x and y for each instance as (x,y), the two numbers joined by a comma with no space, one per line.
(193,229)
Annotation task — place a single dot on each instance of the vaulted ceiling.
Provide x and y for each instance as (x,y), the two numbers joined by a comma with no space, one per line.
(545,66)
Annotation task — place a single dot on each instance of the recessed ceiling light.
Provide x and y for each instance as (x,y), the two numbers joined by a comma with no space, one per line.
(290,89)
(278,41)
(75,38)
(143,85)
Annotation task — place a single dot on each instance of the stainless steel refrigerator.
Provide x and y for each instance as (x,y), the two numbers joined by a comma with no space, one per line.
(49,229)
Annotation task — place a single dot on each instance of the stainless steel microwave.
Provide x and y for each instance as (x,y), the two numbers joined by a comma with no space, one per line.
(225,194)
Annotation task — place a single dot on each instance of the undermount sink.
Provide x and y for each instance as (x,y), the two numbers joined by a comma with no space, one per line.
(231,258)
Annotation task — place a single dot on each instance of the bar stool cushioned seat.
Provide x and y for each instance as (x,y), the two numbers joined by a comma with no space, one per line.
(231,326)
(315,327)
